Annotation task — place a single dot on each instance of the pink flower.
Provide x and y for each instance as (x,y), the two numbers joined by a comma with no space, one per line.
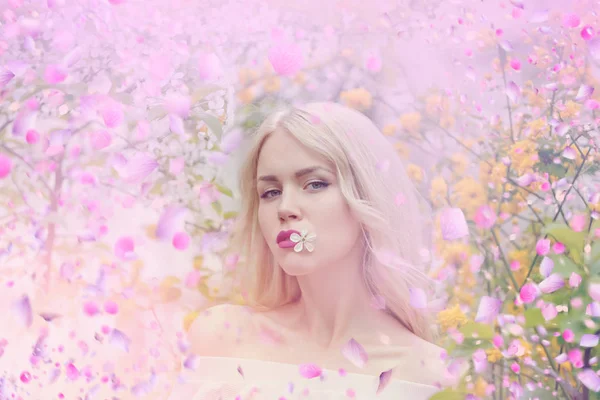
(286,58)
(594,291)
(568,335)
(578,222)
(574,280)
(90,308)
(543,247)
(453,224)
(575,357)
(55,74)
(558,248)
(5,166)
(528,293)
(485,217)
(181,240)
(111,307)
(515,368)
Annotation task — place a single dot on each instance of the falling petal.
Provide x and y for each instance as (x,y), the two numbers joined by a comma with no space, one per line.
(562,129)
(384,380)
(587,32)
(355,353)
(124,248)
(590,379)
(453,224)
(191,362)
(418,298)
(100,139)
(542,247)
(217,158)
(538,17)
(594,48)
(22,309)
(506,46)
(513,92)
(552,283)
(171,221)
(209,67)
(139,167)
(518,4)
(528,293)
(546,266)
(5,77)
(48,317)
(55,74)
(594,291)
(5,166)
(489,308)
(176,124)
(589,340)
(178,105)
(310,371)
(485,217)
(119,340)
(286,58)
(232,141)
(373,63)
(90,308)
(240,371)
(592,104)
(112,114)
(571,21)
(569,153)
(584,92)
(526,180)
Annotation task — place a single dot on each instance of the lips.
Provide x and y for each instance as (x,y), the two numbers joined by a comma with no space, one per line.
(283,239)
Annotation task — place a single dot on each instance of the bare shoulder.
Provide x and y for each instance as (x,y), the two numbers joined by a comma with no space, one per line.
(425,365)
(217,330)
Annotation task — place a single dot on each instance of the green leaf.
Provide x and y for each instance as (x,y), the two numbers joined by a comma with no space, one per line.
(564,265)
(449,394)
(229,215)
(482,331)
(533,317)
(574,241)
(213,123)
(225,190)
(216,205)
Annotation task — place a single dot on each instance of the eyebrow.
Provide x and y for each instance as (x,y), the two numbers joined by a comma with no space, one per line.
(297,174)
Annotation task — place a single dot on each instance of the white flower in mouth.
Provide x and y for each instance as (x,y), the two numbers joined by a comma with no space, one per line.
(303,240)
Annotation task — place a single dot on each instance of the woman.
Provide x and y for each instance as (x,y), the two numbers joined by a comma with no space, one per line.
(331,233)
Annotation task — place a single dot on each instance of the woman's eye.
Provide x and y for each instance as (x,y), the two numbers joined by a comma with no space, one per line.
(319,185)
(267,194)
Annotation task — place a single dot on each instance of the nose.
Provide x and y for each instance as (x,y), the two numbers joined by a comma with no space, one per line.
(288,209)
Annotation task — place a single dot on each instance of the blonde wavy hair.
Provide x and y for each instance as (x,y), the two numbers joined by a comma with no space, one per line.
(371,177)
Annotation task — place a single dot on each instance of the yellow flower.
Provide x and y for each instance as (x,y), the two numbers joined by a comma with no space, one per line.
(415,173)
(468,195)
(493,174)
(522,258)
(438,191)
(411,122)
(534,99)
(453,252)
(480,389)
(569,110)
(493,354)
(272,84)
(451,318)
(189,319)
(512,207)
(246,96)
(389,130)
(245,75)
(359,99)
(537,127)
(402,150)
(523,155)
(459,163)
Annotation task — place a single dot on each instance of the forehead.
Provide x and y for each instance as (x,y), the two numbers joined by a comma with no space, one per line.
(282,152)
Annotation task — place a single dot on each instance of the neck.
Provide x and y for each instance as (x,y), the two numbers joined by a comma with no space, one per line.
(335,302)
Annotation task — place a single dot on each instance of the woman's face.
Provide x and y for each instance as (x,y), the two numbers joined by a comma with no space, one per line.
(298,190)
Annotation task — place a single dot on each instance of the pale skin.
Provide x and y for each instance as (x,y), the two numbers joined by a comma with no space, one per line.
(335,305)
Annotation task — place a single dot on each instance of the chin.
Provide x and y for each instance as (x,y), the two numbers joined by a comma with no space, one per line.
(299,268)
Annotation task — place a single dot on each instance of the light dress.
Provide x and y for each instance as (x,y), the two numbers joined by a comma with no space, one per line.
(224,378)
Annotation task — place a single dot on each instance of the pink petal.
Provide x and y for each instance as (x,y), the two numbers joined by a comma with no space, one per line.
(55,74)
(310,371)
(549,311)
(100,139)
(485,217)
(587,32)
(124,248)
(286,58)
(489,308)
(112,114)
(590,379)
(584,92)
(558,248)
(5,77)
(217,158)
(176,165)
(546,266)
(176,124)
(90,308)
(453,224)
(552,283)
(594,291)
(574,280)
(72,372)
(518,4)
(526,180)
(119,340)
(528,293)
(418,298)
(578,222)
(171,220)
(139,167)
(181,240)
(543,247)
(191,362)
(513,92)
(568,335)
(539,16)
(384,380)
(589,340)
(232,141)
(571,21)
(178,105)
(111,307)
(5,166)
(22,309)
(592,104)
(373,63)
(355,353)
(515,64)
(209,67)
